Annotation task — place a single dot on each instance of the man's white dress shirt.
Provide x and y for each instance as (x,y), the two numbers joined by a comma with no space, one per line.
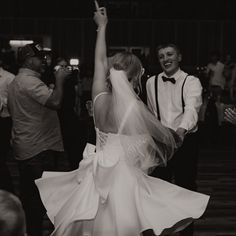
(170,100)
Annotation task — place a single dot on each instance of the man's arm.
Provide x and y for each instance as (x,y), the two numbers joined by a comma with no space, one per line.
(54,101)
(193,100)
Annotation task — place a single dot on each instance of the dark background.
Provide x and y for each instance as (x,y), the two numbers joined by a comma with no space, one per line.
(157,9)
(198,27)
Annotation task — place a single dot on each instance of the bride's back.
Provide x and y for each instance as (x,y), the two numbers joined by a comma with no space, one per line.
(103,116)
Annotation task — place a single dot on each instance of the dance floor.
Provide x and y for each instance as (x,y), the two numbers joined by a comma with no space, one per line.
(216,177)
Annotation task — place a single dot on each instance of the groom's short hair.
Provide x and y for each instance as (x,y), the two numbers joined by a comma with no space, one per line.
(165,45)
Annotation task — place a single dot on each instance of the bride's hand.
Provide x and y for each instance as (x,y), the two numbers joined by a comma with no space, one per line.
(100,16)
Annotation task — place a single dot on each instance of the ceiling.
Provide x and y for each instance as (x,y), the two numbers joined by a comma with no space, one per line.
(157,9)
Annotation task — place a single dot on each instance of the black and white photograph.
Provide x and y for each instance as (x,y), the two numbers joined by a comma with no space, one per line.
(118,118)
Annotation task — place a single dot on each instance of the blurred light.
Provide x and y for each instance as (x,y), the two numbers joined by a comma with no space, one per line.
(19,43)
(47,49)
(74,61)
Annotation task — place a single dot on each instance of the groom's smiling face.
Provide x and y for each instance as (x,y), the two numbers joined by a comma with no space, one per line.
(169,59)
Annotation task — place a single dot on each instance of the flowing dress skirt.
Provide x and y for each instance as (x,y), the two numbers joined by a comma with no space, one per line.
(112,198)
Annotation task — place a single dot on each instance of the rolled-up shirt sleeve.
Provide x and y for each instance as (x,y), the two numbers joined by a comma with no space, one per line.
(38,91)
(193,100)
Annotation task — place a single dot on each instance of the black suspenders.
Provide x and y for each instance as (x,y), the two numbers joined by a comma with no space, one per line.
(182,93)
(157,106)
(156,96)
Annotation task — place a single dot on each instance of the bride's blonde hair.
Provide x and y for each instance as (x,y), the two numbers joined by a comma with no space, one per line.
(127,62)
(130,64)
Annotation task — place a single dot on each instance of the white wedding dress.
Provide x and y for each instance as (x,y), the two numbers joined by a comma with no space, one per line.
(110,196)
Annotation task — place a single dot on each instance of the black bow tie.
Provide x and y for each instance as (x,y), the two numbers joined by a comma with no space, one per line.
(172,80)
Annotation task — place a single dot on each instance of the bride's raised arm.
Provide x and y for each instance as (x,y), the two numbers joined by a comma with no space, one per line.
(101,63)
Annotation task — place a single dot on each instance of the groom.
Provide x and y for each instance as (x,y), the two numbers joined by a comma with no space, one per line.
(175,98)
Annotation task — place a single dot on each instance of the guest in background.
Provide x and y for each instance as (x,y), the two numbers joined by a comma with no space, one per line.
(5,128)
(229,73)
(214,70)
(87,81)
(12,217)
(68,117)
(37,141)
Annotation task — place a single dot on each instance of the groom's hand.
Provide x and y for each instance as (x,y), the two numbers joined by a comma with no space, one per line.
(181,132)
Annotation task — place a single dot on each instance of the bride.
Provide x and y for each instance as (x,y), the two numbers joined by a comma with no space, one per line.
(111,193)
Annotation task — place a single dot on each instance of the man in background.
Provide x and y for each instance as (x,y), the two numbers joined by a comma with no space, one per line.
(37,140)
(5,127)
(12,217)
